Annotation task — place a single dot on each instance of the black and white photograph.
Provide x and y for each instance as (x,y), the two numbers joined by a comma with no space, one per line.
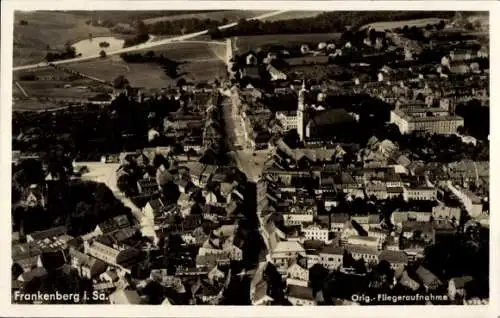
(250,157)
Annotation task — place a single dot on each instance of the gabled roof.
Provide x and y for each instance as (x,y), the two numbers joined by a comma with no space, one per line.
(300,292)
(332,250)
(393,257)
(288,246)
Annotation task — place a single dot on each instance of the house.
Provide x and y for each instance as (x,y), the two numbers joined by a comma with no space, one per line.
(36,196)
(408,282)
(297,215)
(422,193)
(284,253)
(423,231)
(331,257)
(216,275)
(316,232)
(368,221)
(428,279)
(259,295)
(338,221)
(297,274)
(368,241)
(368,254)
(300,295)
(457,286)
(147,186)
(397,259)
(114,224)
(400,217)
(32,274)
(53,238)
(122,256)
(86,265)
(109,276)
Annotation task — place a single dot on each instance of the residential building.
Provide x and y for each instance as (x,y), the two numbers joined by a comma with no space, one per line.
(284,253)
(298,215)
(472,203)
(457,286)
(316,232)
(428,279)
(117,255)
(397,259)
(297,274)
(422,193)
(408,123)
(368,254)
(331,257)
(443,212)
(86,265)
(368,241)
(300,295)
(339,221)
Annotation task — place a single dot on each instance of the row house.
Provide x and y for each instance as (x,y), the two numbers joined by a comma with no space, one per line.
(121,256)
(443,212)
(298,215)
(400,217)
(368,254)
(421,193)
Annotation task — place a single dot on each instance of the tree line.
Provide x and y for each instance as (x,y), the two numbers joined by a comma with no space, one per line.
(336,21)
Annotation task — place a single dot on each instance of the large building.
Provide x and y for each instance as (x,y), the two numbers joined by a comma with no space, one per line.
(433,120)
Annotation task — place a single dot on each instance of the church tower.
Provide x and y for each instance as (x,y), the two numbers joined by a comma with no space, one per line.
(301,112)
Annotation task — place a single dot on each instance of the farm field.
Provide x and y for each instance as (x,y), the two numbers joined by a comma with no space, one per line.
(190,50)
(44,29)
(229,15)
(139,75)
(293,15)
(56,89)
(246,43)
(384,25)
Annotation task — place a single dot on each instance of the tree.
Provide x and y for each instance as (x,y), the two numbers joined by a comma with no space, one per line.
(23,22)
(120,82)
(215,33)
(441,25)
(102,54)
(429,27)
(181,82)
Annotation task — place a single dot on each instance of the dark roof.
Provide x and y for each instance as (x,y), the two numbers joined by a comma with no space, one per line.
(313,245)
(55,231)
(394,257)
(301,292)
(333,250)
(330,117)
(53,260)
(460,282)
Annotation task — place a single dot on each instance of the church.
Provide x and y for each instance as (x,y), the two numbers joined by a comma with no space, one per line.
(315,124)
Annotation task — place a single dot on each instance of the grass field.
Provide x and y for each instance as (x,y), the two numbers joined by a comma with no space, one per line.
(47,28)
(246,43)
(388,25)
(230,15)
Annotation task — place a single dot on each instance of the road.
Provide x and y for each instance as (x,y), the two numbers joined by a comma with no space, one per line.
(248,161)
(147,45)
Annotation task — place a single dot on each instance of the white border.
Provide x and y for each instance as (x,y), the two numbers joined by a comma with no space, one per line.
(6,309)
